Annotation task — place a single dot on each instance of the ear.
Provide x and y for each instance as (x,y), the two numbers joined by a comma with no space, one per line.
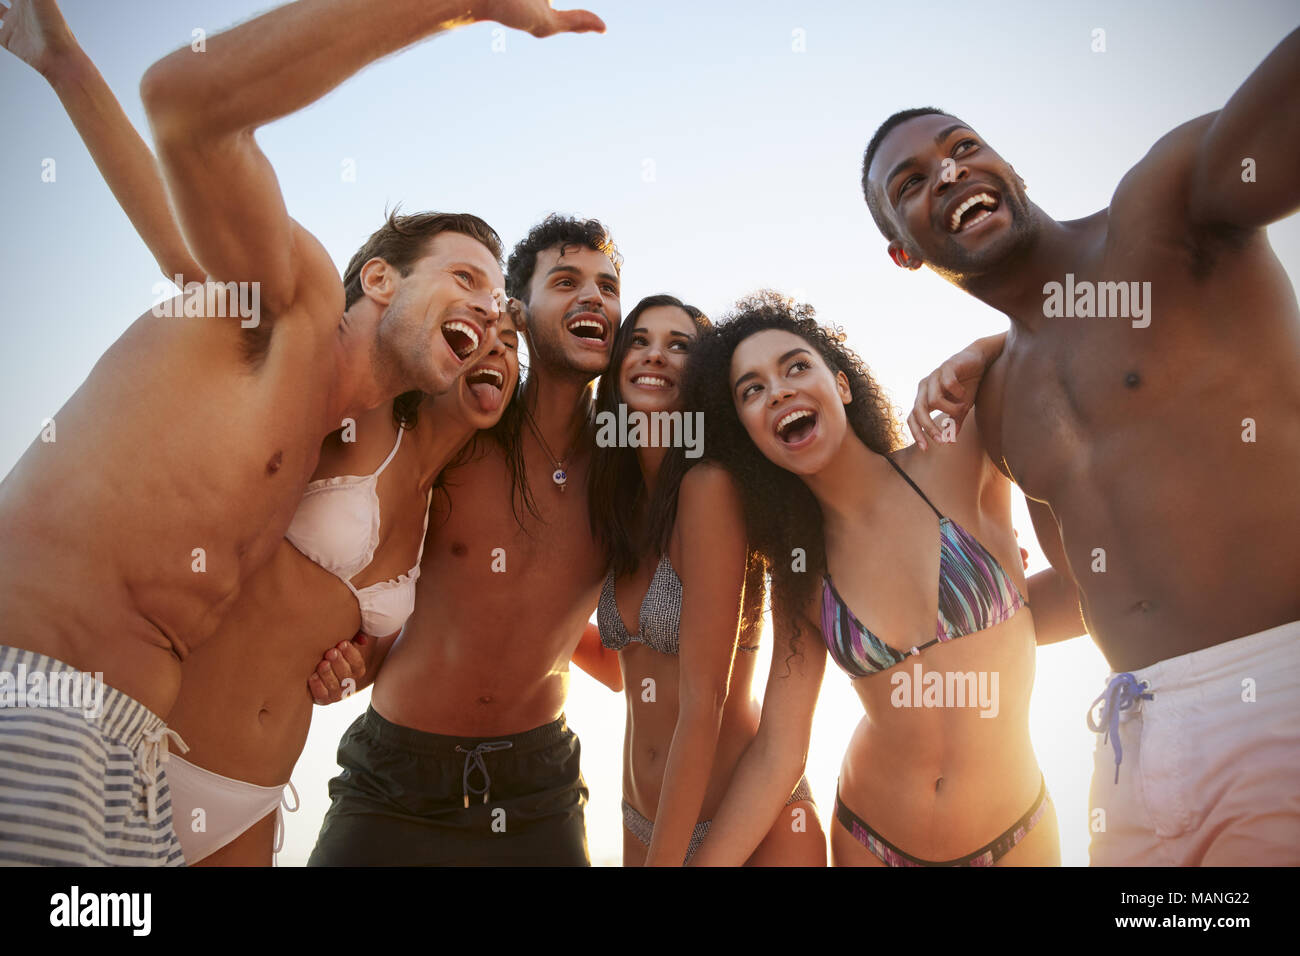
(1018,177)
(901,257)
(842,387)
(519,312)
(378,281)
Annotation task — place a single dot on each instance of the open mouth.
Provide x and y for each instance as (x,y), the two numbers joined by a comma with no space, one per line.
(651,381)
(796,426)
(589,326)
(487,385)
(974,210)
(462,338)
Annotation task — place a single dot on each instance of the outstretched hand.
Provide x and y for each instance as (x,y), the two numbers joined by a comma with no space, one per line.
(537,17)
(35,32)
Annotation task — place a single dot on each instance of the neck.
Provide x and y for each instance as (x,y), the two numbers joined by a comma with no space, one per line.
(560,408)
(1015,287)
(357,387)
(444,437)
(847,486)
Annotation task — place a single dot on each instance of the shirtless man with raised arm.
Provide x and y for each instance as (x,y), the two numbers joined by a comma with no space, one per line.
(179,462)
(464,756)
(1154,427)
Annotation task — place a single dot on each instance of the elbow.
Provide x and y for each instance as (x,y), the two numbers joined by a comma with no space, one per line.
(158,94)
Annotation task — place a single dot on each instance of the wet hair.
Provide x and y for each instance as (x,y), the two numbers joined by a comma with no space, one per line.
(781,513)
(885,128)
(556,230)
(506,435)
(616,492)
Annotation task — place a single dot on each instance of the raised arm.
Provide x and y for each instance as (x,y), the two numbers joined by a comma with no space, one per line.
(36,33)
(1260,123)
(775,759)
(205,107)
(712,572)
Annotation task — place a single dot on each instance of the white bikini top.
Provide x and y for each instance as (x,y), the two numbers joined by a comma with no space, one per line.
(337,526)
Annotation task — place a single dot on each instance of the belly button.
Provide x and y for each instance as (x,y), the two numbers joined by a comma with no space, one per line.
(274,464)
(485,699)
(1132,379)
(1143,607)
(459,549)
(938,784)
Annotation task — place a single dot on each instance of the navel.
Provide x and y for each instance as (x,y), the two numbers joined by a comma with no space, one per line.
(1144,607)
(274,464)
(1132,379)
(485,699)
(458,549)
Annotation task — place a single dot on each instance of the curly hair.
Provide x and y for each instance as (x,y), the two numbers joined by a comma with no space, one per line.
(556,230)
(781,513)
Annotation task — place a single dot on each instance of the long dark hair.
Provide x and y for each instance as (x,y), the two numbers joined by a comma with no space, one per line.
(616,492)
(781,513)
(505,434)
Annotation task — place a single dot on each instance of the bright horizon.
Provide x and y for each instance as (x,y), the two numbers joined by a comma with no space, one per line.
(722,144)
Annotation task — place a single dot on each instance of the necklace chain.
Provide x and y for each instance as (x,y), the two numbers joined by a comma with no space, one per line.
(559,476)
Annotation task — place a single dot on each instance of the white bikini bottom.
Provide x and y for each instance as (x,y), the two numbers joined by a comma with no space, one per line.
(209,810)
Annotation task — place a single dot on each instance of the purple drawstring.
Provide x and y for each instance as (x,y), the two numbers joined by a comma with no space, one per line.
(1122,693)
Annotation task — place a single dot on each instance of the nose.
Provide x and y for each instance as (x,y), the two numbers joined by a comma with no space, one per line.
(484,305)
(589,294)
(949,176)
(779,393)
(654,354)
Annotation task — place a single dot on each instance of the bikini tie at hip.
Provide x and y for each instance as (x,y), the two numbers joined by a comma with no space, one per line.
(1122,693)
(474,761)
(152,751)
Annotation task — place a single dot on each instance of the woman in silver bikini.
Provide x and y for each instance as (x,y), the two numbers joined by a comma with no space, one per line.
(681,607)
(349,565)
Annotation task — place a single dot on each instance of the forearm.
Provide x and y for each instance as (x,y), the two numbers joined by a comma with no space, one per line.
(686,779)
(123,159)
(282,61)
(382,645)
(597,660)
(1054,599)
(989,347)
(763,781)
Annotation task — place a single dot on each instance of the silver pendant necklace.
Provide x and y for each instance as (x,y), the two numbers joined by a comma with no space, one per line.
(559,475)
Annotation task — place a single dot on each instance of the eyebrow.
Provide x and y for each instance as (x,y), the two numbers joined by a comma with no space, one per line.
(938,141)
(574,270)
(685,335)
(781,361)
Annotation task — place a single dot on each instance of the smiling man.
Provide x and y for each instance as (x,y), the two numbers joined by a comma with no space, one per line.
(1156,435)
(179,462)
(464,757)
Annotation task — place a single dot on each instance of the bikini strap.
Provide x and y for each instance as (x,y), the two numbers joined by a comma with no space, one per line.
(392,454)
(914,488)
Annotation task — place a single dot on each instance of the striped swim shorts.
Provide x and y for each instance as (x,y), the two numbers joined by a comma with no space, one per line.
(81,775)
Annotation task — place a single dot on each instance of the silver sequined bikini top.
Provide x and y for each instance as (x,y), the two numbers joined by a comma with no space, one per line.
(660,617)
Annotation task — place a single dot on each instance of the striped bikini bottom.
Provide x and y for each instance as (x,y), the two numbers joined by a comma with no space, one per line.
(986,855)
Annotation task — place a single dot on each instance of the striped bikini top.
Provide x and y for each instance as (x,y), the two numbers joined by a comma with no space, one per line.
(975,593)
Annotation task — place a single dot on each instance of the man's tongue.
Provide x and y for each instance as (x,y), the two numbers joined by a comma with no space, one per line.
(487,396)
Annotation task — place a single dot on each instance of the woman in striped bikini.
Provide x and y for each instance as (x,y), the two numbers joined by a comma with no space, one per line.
(941,770)
(681,608)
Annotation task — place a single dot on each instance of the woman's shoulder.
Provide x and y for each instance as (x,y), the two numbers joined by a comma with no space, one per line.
(707,481)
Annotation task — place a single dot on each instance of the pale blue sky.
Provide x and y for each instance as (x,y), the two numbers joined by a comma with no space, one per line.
(755,152)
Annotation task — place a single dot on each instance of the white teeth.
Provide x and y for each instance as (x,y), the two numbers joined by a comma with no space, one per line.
(654,380)
(792,417)
(586,324)
(955,222)
(498,378)
(459,326)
